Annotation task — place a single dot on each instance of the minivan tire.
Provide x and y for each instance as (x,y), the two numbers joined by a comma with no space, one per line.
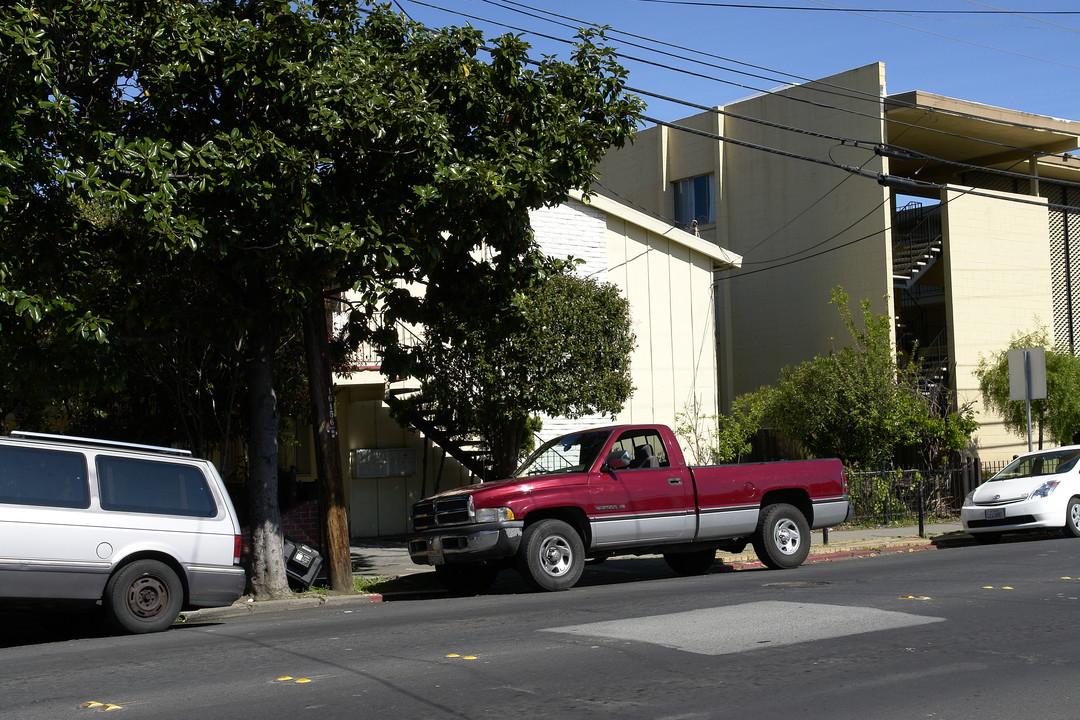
(144,596)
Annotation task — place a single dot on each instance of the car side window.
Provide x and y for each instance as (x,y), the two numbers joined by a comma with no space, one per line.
(645,447)
(50,478)
(146,486)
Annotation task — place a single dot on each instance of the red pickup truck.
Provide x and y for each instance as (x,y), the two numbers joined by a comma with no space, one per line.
(618,490)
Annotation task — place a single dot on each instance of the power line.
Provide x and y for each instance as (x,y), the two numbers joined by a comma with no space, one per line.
(812,84)
(746,6)
(960,40)
(883,179)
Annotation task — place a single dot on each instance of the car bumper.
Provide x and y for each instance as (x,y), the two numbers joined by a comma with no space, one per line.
(1025,515)
(466,544)
(214,585)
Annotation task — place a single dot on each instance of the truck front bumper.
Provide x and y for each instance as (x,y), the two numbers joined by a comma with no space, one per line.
(466,543)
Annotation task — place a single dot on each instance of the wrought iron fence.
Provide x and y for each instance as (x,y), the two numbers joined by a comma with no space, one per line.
(893,496)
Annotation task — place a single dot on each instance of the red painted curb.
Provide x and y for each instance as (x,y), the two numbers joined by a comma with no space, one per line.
(838,555)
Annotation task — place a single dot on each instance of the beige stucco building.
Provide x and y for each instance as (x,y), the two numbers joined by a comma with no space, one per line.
(666,274)
(958,219)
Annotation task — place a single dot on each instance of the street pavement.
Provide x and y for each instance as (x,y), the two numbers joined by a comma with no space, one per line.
(386,563)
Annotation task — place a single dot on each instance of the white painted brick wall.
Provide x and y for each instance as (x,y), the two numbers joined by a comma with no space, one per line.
(574,229)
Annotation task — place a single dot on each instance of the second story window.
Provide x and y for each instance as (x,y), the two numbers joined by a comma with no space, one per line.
(694,200)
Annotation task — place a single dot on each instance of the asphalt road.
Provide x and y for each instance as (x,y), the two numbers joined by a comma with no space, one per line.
(968,632)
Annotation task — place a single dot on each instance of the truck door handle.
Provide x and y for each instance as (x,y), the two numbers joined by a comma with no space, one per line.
(674,481)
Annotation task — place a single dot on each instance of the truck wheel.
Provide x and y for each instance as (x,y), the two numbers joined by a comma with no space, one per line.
(782,539)
(551,555)
(466,580)
(144,596)
(1072,518)
(691,563)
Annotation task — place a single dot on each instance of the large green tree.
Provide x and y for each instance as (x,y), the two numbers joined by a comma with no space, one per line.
(1058,414)
(284,149)
(494,354)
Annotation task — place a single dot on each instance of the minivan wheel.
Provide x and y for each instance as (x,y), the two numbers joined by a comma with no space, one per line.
(144,596)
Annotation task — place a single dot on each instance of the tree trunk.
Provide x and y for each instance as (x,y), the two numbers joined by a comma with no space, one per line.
(506,444)
(327,453)
(268,579)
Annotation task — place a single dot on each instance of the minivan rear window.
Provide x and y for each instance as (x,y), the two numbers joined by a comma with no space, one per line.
(32,476)
(146,486)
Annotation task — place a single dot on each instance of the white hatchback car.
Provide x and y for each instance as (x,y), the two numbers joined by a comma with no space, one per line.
(1039,490)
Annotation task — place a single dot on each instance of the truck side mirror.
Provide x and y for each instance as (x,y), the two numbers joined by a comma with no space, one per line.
(617,460)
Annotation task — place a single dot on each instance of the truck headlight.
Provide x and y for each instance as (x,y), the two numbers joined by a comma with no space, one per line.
(495,514)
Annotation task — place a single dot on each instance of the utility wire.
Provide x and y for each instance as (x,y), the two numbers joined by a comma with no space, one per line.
(813,84)
(888,180)
(959,40)
(884,11)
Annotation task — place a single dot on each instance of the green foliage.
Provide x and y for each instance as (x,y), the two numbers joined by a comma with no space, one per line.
(1058,415)
(493,355)
(857,404)
(268,151)
(274,151)
(716,439)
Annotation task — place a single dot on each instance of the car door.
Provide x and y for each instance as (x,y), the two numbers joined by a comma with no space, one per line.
(649,501)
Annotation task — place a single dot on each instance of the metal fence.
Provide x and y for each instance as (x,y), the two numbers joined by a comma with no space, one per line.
(897,496)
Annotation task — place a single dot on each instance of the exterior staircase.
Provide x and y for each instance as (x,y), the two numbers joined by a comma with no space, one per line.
(402,397)
(472,453)
(917,242)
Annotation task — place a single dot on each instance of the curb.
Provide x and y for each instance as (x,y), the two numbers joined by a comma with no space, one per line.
(247,607)
(841,554)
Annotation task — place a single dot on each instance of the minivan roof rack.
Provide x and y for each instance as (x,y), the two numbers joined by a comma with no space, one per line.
(73,440)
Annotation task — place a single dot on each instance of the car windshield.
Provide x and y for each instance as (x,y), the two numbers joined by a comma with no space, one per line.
(575,452)
(1046,463)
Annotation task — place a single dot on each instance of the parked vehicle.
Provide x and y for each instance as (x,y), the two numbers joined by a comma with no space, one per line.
(1035,491)
(146,531)
(624,489)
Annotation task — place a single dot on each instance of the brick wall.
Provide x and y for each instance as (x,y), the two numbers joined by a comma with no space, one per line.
(302,523)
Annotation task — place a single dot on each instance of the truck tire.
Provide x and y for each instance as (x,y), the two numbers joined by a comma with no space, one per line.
(782,538)
(697,562)
(551,555)
(144,596)
(467,580)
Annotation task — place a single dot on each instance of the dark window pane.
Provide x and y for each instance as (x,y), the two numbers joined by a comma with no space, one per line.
(131,485)
(31,476)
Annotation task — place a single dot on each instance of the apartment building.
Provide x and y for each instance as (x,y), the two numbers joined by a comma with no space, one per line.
(959,219)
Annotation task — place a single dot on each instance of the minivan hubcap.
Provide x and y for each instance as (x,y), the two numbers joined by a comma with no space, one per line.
(147,597)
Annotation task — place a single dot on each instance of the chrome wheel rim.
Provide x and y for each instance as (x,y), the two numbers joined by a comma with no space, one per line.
(787,536)
(1074,515)
(556,555)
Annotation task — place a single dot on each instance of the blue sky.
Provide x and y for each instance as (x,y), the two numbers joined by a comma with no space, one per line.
(1018,60)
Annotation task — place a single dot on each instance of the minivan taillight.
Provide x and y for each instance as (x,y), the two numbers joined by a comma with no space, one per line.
(238,543)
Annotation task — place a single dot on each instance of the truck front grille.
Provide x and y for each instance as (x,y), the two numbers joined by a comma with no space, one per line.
(441,512)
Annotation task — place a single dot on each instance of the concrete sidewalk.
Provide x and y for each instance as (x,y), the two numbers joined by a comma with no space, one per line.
(388,563)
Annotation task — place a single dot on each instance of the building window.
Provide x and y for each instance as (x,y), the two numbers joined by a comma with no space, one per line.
(694,200)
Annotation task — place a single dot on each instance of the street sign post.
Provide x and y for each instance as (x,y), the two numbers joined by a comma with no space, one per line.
(1027,378)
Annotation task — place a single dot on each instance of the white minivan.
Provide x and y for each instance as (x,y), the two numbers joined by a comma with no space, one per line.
(146,531)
